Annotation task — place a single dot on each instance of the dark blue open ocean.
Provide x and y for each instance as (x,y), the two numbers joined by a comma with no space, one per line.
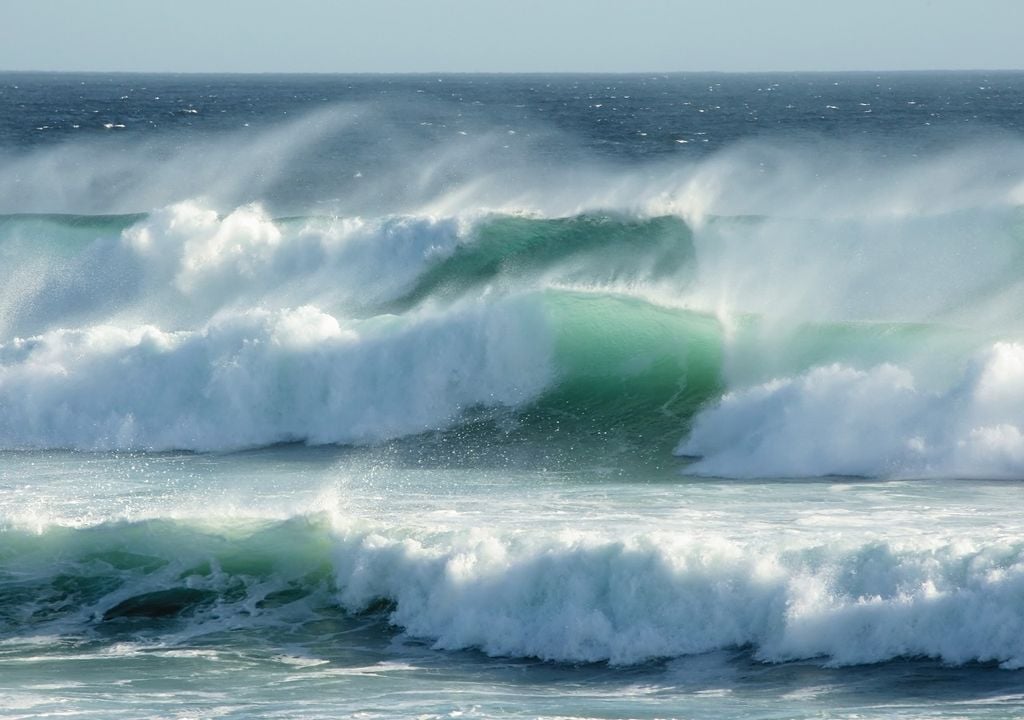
(540,396)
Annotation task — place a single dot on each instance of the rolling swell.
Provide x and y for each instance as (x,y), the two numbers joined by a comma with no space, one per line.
(739,340)
(572,597)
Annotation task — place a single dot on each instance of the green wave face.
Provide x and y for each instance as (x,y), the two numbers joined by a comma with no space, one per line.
(122,575)
(628,377)
(585,249)
(629,371)
(41,234)
(101,223)
(629,374)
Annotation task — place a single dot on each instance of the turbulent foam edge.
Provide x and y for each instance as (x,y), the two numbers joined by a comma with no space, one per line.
(182,264)
(840,420)
(561,596)
(261,377)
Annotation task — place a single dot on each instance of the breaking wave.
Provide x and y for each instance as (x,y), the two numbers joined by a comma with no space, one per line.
(872,338)
(563,596)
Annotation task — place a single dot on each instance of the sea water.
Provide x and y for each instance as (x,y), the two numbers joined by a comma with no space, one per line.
(521,396)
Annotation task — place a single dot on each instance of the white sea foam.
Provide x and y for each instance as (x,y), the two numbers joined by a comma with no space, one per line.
(259,377)
(245,257)
(836,419)
(184,263)
(582,598)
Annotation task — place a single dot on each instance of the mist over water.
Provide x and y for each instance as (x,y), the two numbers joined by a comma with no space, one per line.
(358,383)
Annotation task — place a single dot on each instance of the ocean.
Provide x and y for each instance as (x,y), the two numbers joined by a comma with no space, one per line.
(539,396)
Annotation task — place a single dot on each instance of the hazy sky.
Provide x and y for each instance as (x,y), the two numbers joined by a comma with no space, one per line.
(509,35)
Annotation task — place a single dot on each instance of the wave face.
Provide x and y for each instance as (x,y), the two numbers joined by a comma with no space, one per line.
(572,597)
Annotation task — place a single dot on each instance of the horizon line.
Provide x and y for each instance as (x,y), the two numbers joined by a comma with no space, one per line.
(509,72)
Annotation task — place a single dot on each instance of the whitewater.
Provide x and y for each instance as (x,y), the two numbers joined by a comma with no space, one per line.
(531,396)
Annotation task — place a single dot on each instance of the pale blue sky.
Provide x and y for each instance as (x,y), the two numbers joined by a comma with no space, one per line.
(510,36)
